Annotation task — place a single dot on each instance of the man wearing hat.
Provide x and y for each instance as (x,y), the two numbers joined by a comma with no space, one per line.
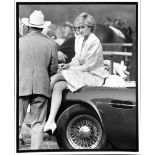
(37,63)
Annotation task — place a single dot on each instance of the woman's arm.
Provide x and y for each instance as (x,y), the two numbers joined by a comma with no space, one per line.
(93,54)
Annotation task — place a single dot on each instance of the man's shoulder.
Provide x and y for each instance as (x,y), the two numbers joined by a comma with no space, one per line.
(23,39)
(47,39)
(43,39)
(52,42)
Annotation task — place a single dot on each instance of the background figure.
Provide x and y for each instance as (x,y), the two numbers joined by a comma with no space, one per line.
(59,35)
(48,31)
(133,64)
(37,62)
(85,69)
(67,50)
(68,30)
(20,24)
(23,29)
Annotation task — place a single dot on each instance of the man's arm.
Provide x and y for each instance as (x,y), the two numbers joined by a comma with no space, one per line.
(67,48)
(53,67)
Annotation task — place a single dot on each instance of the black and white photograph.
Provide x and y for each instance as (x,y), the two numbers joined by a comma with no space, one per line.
(77,81)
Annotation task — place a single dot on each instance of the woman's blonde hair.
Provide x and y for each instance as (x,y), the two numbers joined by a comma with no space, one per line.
(87,19)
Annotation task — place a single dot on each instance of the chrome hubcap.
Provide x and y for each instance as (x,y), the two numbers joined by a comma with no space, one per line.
(84,132)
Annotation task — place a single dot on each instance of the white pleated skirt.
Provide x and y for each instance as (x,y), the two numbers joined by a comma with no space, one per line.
(78,79)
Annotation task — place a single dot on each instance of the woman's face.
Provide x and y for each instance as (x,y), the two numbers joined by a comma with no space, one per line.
(84,30)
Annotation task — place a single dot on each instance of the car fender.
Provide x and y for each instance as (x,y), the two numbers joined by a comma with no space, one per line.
(87,103)
(94,107)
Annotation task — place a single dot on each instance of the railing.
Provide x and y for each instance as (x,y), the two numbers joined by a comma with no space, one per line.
(118,44)
(124,46)
(124,52)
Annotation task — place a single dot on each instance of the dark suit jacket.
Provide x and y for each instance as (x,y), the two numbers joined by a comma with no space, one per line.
(38,61)
(68,48)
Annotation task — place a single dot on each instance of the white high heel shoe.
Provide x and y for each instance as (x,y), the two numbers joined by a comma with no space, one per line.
(49,127)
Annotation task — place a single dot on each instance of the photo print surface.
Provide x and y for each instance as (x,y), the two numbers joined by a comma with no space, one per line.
(77,77)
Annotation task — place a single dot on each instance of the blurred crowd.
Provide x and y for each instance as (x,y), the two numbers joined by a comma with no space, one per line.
(64,36)
(61,32)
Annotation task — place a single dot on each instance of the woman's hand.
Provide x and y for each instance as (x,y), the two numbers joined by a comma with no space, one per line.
(63,66)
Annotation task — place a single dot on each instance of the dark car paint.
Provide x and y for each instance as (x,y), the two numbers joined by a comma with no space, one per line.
(120,124)
(116,107)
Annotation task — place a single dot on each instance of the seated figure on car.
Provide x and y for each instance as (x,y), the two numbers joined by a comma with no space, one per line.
(85,69)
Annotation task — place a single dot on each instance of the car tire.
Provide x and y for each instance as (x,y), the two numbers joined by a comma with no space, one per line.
(79,127)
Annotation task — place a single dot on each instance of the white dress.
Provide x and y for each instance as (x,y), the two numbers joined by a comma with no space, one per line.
(87,66)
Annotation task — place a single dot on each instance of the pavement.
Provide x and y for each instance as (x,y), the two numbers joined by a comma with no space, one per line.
(49,142)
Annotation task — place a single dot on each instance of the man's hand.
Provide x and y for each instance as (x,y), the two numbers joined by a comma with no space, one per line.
(61,57)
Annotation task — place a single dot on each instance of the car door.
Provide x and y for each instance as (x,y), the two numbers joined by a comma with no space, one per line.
(120,119)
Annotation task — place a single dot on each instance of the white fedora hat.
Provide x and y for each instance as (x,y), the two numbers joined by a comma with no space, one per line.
(36,20)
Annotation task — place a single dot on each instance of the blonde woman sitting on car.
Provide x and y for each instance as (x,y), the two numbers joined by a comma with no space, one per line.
(85,69)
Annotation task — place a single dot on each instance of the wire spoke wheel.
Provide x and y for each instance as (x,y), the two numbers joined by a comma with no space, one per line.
(84,132)
(80,127)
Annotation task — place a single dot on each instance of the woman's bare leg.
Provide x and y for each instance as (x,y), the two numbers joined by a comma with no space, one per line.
(55,104)
(55,78)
